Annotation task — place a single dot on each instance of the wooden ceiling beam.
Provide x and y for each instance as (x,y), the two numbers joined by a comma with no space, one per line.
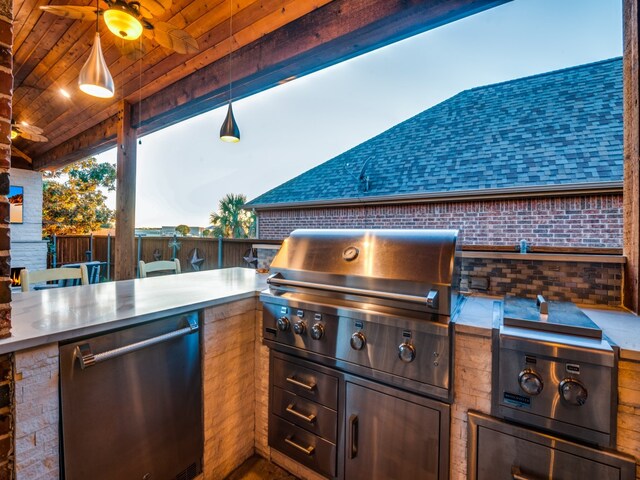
(94,140)
(335,32)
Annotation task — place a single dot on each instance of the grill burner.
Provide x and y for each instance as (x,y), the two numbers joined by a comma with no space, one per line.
(553,370)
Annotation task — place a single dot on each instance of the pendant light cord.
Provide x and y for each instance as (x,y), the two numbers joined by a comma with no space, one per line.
(230,43)
(97,14)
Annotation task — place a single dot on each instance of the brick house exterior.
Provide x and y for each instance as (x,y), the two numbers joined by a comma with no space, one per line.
(536,159)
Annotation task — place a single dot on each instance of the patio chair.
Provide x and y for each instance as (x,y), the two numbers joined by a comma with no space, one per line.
(167,266)
(66,277)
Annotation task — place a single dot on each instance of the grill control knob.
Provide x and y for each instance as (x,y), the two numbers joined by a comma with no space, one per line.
(407,352)
(358,341)
(317,331)
(283,324)
(573,392)
(299,327)
(530,382)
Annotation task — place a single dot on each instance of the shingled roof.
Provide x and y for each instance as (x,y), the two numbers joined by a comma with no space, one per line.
(549,131)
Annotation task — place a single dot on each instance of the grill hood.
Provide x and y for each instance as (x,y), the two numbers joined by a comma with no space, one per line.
(414,269)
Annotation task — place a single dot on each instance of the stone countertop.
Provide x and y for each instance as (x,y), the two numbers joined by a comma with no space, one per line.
(621,326)
(41,317)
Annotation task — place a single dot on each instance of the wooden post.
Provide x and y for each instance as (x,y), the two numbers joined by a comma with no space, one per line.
(125,196)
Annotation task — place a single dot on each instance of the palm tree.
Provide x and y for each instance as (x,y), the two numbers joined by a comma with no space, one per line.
(231,220)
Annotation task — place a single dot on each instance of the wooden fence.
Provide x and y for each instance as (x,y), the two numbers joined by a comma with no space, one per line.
(81,248)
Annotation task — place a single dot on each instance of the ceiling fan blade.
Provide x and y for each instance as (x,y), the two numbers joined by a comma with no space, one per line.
(149,8)
(34,137)
(172,37)
(132,50)
(29,128)
(72,11)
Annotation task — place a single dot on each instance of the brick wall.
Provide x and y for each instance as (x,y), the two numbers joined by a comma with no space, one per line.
(586,221)
(6,89)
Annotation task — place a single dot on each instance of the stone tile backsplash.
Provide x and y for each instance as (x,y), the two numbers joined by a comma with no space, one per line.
(589,283)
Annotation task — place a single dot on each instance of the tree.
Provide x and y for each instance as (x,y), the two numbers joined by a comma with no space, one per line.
(231,220)
(72,202)
(183,230)
(207,233)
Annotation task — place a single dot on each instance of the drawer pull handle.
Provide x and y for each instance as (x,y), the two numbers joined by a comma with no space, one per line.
(298,383)
(308,450)
(307,418)
(517,474)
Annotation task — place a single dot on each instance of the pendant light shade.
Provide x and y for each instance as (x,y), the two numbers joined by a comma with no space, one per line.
(229,132)
(95,78)
(122,23)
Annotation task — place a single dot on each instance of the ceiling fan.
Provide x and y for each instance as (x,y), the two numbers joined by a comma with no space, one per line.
(130,19)
(28,132)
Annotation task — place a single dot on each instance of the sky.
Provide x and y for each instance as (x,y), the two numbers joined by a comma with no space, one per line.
(185,169)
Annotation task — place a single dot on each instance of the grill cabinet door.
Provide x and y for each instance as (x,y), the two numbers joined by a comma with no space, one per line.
(388,437)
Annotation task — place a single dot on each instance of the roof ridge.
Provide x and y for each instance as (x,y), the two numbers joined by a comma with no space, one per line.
(543,74)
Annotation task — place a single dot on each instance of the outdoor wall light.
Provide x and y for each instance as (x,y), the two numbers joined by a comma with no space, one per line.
(122,23)
(229,132)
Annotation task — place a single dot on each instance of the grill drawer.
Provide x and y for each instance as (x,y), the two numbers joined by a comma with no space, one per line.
(284,436)
(319,420)
(502,451)
(306,383)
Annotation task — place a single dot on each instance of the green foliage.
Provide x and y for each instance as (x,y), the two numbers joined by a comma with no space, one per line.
(183,230)
(231,220)
(207,233)
(72,202)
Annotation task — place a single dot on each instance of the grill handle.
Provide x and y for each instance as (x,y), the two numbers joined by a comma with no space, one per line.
(87,358)
(518,475)
(277,280)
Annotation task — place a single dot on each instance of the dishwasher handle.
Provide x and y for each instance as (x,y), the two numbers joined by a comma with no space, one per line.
(87,358)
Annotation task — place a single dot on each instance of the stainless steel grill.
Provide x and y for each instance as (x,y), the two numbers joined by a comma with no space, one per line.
(373,302)
(359,323)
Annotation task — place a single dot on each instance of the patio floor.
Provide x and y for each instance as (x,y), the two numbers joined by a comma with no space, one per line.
(257,468)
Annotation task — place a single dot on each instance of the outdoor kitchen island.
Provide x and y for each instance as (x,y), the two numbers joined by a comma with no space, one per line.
(236,364)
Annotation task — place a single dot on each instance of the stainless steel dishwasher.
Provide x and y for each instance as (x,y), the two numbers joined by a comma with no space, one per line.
(132,403)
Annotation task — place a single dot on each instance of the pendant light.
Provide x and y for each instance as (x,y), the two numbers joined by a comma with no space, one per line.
(229,132)
(95,78)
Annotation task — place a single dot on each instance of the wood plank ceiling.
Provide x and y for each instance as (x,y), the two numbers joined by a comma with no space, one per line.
(272,40)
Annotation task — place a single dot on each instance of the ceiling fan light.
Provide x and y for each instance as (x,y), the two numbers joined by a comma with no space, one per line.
(229,132)
(122,23)
(95,78)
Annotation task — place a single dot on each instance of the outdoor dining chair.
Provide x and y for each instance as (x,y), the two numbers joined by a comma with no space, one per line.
(164,266)
(28,278)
